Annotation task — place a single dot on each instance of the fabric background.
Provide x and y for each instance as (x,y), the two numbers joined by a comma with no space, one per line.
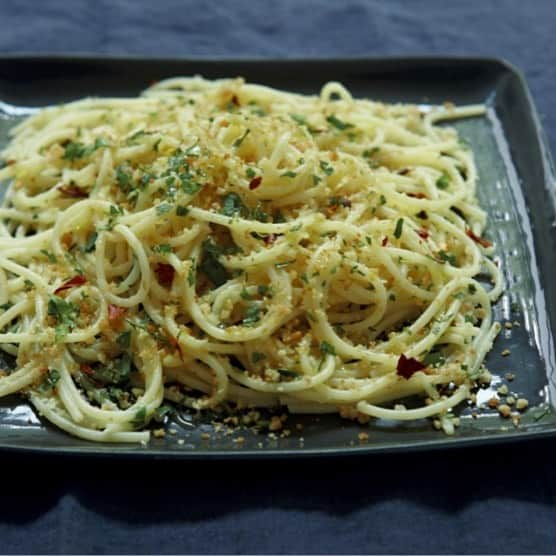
(481,500)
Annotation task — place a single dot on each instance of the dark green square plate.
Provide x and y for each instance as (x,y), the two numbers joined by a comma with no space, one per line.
(516,187)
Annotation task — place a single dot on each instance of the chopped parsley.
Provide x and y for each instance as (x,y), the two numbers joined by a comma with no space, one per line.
(65,313)
(188,185)
(90,242)
(160,413)
(116,210)
(140,418)
(368,153)
(50,380)
(50,256)
(115,373)
(443,182)
(447,257)
(75,150)
(337,123)
(399,228)
(232,205)
(124,339)
(123,178)
(287,373)
(298,119)
(237,143)
(288,174)
(182,210)
(210,265)
(326,167)
(434,359)
(252,315)
(163,248)
(163,208)
(327,348)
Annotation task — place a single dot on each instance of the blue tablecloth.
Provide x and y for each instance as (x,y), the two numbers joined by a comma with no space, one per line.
(481,500)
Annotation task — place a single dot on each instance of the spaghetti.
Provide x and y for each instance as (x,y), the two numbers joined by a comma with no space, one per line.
(218,243)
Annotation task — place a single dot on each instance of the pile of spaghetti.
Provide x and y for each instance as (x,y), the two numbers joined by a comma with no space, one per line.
(227,245)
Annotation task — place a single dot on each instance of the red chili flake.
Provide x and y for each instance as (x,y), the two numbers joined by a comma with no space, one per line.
(423,233)
(78,280)
(165,273)
(384,241)
(417,195)
(255,182)
(87,369)
(270,239)
(174,342)
(478,239)
(235,100)
(403,171)
(407,366)
(115,312)
(72,191)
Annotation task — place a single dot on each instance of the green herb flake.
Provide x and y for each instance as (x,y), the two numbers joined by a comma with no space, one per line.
(250,172)
(237,143)
(163,208)
(368,153)
(288,174)
(50,256)
(182,210)
(50,380)
(139,419)
(188,185)
(65,313)
(161,412)
(287,373)
(75,150)
(537,416)
(211,266)
(123,179)
(298,119)
(434,359)
(447,257)
(337,123)
(124,339)
(244,294)
(90,243)
(232,205)
(163,248)
(252,315)
(327,348)
(115,210)
(326,167)
(257,356)
(399,228)
(443,182)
